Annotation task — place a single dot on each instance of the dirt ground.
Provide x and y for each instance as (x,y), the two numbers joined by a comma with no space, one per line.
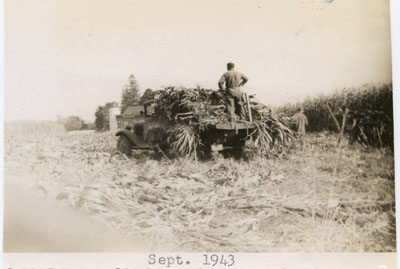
(70,192)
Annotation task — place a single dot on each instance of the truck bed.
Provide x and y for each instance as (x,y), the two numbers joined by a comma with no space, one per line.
(234,125)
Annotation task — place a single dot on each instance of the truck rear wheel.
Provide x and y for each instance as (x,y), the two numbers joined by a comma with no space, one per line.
(235,153)
(205,152)
(124,145)
(236,150)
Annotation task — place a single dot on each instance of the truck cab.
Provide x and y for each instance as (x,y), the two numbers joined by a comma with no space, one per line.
(134,118)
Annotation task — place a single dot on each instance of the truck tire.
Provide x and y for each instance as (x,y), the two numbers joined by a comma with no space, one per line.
(236,151)
(205,152)
(124,145)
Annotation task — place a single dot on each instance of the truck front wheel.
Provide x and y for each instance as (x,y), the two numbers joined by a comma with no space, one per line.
(124,145)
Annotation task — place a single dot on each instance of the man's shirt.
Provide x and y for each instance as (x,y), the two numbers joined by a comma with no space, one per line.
(232,79)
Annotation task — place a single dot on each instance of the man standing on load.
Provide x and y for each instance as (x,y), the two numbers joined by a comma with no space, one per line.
(233,80)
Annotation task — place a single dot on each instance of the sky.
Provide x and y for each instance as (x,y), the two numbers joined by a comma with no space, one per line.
(67,57)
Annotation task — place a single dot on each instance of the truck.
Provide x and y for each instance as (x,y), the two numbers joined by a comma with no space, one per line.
(142,130)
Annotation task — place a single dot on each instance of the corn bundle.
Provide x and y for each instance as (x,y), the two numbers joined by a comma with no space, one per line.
(196,109)
(202,106)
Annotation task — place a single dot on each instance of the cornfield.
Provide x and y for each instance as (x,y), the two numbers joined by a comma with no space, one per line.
(370,119)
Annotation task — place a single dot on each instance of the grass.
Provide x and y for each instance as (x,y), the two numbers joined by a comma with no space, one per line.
(312,200)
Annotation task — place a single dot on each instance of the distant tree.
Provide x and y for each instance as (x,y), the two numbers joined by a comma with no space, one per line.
(61,120)
(130,93)
(73,123)
(91,126)
(88,126)
(102,122)
(148,95)
(109,105)
(99,121)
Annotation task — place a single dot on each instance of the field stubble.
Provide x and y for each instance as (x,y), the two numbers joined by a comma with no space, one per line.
(314,200)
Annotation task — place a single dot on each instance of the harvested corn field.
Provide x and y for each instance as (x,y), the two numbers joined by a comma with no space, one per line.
(318,199)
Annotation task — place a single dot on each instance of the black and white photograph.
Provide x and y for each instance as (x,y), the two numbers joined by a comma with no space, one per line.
(187,126)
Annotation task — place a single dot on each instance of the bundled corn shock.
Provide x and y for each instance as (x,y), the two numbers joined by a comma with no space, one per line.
(195,110)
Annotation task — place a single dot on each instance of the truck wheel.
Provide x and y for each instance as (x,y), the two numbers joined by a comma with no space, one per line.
(236,151)
(205,152)
(124,145)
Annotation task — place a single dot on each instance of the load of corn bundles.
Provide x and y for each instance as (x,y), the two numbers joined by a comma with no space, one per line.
(194,110)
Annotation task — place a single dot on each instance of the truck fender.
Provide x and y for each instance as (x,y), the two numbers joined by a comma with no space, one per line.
(136,141)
